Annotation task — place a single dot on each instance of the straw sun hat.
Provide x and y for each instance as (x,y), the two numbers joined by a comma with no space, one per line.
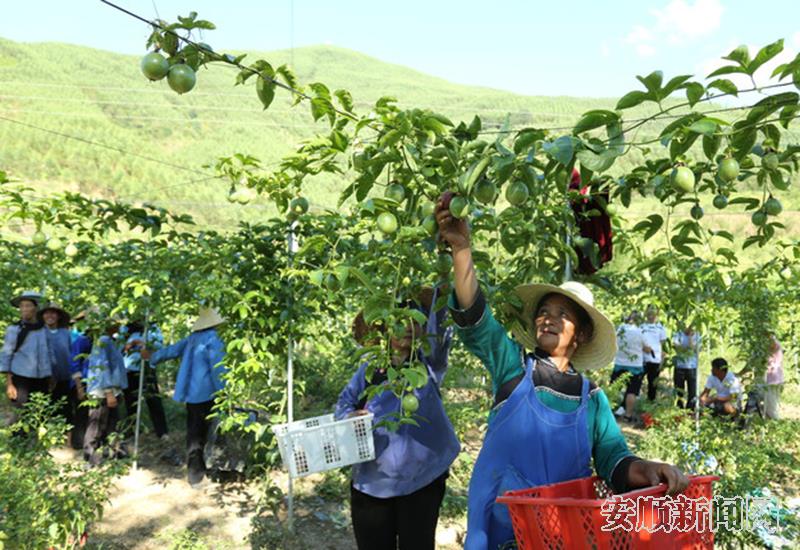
(63,316)
(207,318)
(597,352)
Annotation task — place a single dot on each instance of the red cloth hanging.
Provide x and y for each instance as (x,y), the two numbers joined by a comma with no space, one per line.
(596,228)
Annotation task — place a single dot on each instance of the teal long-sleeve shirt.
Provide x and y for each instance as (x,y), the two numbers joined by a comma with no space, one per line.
(504,359)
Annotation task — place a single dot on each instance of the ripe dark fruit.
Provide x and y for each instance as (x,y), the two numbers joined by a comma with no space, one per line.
(154,66)
(181,78)
(696,212)
(770,161)
(395,192)
(773,206)
(728,169)
(485,191)
(410,403)
(517,193)
(299,205)
(682,179)
(387,223)
(759,218)
(459,207)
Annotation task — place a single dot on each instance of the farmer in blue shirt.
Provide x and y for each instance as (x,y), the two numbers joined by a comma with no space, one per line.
(105,382)
(395,498)
(26,358)
(56,327)
(134,342)
(199,378)
(548,421)
(80,351)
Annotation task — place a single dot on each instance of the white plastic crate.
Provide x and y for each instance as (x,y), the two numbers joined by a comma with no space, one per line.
(322,443)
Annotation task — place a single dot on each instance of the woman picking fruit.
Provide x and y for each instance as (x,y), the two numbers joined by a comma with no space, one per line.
(548,421)
(395,499)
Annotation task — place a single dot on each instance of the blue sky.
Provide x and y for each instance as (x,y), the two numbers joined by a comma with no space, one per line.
(579,48)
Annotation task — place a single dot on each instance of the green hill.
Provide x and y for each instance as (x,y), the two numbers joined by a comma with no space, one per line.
(151,133)
(101,96)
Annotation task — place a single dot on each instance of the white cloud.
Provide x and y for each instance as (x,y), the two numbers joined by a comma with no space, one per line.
(645,50)
(679,22)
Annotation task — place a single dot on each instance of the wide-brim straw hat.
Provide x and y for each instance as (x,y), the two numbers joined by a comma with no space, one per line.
(207,318)
(31,295)
(598,352)
(63,316)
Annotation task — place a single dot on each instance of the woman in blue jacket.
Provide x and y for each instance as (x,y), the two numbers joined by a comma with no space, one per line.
(395,498)
(105,382)
(199,378)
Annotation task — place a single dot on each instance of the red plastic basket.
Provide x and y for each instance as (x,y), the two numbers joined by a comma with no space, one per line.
(573,514)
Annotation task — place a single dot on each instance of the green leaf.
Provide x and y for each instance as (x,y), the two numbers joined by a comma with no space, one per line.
(597,163)
(725,86)
(594,119)
(632,99)
(704,126)
(339,140)
(694,92)
(652,82)
(727,69)
(788,114)
(765,54)
(740,55)
(562,149)
(711,145)
(266,91)
(674,83)
(345,100)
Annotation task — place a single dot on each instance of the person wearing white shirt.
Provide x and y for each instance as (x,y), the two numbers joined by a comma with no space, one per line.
(654,335)
(631,349)
(726,387)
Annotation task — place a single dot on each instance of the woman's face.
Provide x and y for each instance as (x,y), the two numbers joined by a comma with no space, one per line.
(557,326)
(50,318)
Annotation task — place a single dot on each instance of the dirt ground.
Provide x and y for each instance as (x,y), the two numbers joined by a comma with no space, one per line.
(153,508)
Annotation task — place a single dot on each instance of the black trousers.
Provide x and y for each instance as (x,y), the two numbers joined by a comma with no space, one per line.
(687,378)
(102,423)
(151,397)
(652,371)
(66,409)
(81,419)
(404,523)
(197,426)
(26,386)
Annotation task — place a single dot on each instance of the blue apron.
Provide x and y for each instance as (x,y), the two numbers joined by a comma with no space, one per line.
(527,445)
